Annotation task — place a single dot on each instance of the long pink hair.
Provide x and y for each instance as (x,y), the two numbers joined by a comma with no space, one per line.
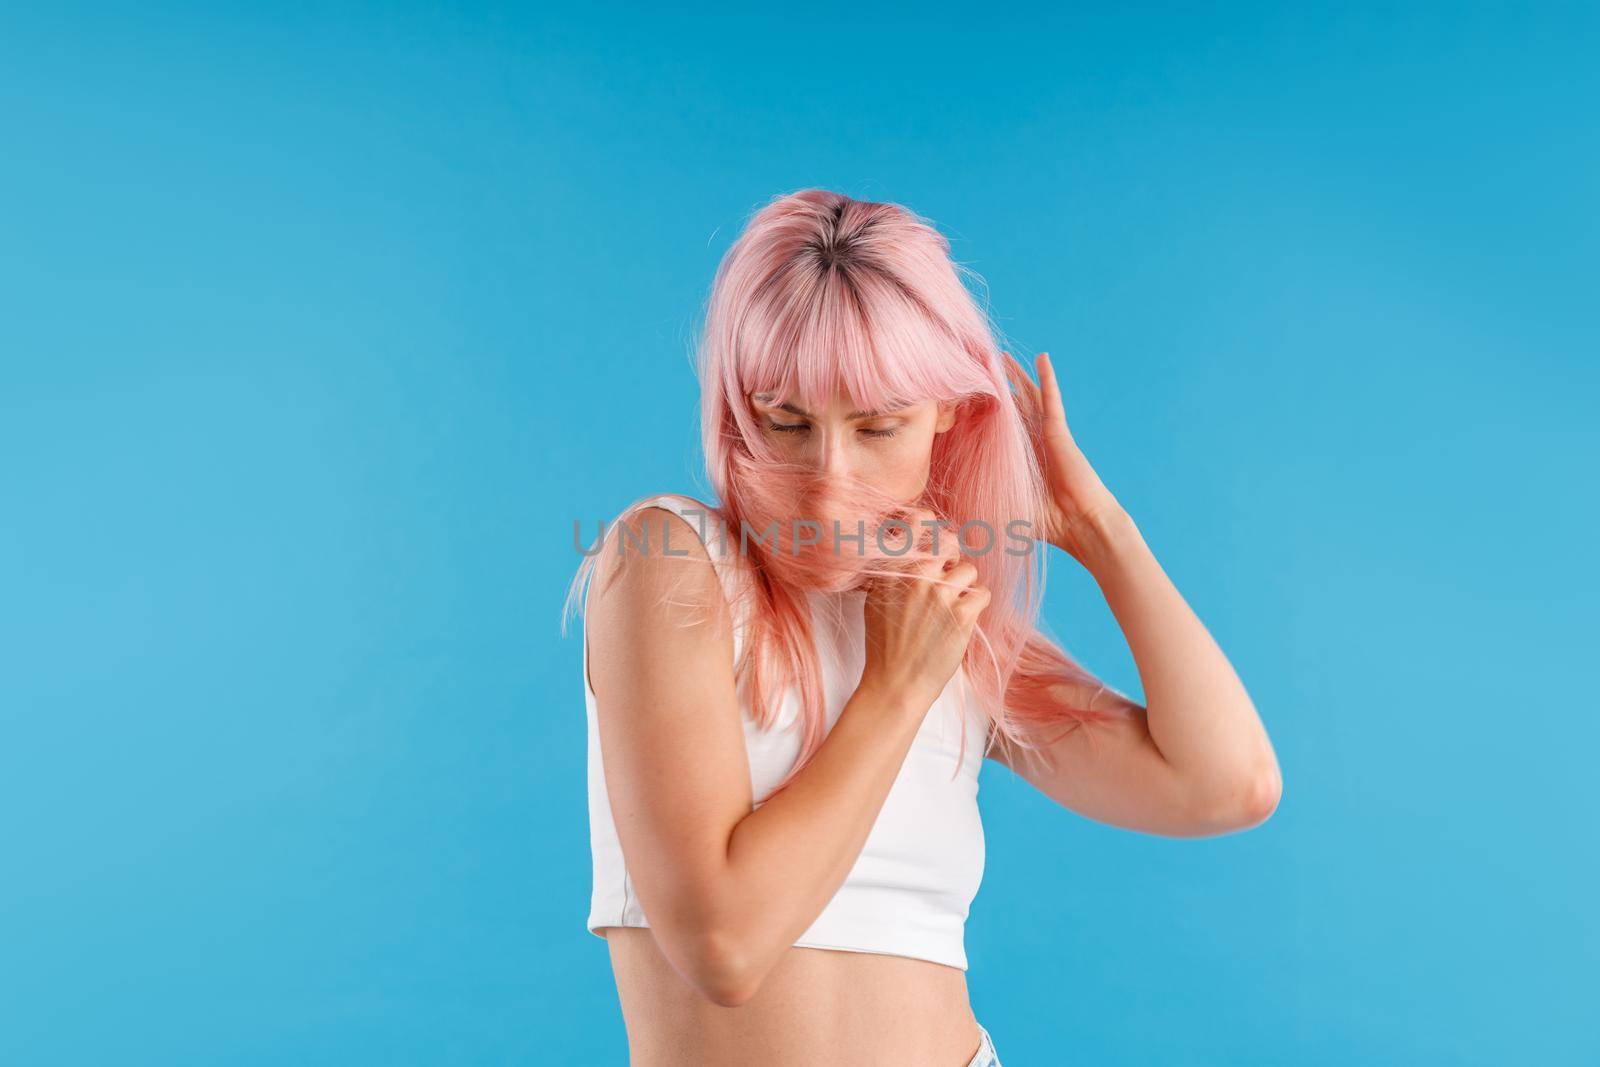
(820,294)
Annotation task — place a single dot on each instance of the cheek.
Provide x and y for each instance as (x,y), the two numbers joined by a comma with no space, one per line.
(792,447)
(900,464)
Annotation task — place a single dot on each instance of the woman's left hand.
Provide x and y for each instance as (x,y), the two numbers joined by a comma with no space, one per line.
(1077,503)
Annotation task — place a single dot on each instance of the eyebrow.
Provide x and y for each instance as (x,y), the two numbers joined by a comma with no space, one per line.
(766,398)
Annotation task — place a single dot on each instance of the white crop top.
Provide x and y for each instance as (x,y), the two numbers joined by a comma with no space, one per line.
(910,889)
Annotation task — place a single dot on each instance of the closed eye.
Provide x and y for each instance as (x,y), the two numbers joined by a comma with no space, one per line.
(800,427)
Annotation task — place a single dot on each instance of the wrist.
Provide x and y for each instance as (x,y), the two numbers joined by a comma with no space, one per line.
(1101,537)
(890,697)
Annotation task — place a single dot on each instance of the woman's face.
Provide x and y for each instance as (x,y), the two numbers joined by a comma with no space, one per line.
(889,450)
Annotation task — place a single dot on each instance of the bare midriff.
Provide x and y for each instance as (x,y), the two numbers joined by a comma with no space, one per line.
(816,1006)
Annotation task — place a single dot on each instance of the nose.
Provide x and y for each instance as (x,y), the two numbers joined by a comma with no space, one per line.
(835,459)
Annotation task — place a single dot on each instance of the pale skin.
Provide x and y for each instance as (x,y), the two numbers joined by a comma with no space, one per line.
(716,979)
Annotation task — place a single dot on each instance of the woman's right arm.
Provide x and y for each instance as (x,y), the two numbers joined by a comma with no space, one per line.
(728,890)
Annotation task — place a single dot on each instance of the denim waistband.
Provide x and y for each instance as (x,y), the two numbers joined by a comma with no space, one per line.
(986,1056)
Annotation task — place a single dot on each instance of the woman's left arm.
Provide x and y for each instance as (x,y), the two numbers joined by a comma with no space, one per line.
(1194,760)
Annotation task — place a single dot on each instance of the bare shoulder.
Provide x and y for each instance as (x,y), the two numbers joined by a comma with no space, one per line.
(657,593)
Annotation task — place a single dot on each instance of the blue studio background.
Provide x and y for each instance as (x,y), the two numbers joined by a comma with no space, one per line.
(323,322)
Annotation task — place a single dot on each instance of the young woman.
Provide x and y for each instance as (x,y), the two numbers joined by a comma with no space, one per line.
(790,695)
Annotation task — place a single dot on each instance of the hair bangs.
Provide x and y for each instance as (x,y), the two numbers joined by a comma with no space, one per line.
(862,336)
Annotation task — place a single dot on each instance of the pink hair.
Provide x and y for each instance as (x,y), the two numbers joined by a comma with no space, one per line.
(823,294)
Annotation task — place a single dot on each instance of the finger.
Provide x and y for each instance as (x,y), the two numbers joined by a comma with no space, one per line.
(952,573)
(937,568)
(970,604)
(961,577)
(1027,395)
(1014,372)
(899,532)
(1054,412)
(935,535)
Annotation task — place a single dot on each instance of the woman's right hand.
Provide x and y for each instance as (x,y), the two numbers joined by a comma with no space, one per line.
(917,630)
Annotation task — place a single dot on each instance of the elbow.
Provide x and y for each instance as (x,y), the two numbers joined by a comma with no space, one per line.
(1262,796)
(708,941)
(722,970)
(1256,799)
(726,990)
(1249,802)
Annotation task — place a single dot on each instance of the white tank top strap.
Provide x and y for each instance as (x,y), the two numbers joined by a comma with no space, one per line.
(721,545)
